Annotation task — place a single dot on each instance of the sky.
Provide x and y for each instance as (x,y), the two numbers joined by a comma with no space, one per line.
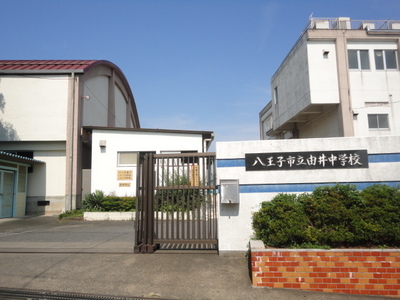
(191,64)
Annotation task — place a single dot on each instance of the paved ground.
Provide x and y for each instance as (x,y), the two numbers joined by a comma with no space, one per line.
(42,253)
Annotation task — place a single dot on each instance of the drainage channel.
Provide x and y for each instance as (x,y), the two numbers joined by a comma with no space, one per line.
(17,294)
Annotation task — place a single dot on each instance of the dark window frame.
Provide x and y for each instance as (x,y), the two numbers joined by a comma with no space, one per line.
(385,59)
(378,122)
(358,59)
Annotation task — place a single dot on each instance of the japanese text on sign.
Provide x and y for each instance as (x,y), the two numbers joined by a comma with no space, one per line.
(306,160)
(194,175)
(124,175)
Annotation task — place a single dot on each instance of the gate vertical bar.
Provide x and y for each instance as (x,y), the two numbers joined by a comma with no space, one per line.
(145,198)
(144,241)
(139,205)
(149,188)
(204,210)
(155,200)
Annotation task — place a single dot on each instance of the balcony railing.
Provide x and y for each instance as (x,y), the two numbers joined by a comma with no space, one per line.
(347,23)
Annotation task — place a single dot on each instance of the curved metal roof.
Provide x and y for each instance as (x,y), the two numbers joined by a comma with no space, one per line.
(50,66)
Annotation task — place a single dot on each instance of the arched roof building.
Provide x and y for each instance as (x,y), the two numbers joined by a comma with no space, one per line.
(45,106)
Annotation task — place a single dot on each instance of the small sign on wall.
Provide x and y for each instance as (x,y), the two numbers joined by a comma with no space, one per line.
(307,160)
(194,175)
(124,175)
(124,184)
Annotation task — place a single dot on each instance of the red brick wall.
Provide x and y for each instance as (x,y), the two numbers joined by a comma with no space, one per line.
(364,272)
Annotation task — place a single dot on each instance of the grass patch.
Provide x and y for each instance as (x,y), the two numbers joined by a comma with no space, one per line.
(72,214)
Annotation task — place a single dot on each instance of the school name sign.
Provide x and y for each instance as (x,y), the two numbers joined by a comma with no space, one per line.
(306,160)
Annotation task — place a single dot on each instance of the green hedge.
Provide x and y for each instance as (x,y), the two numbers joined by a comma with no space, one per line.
(98,201)
(111,203)
(331,216)
(177,199)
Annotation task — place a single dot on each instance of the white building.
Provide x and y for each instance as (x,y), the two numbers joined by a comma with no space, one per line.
(115,153)
(340,79)
(68,128)
(44,106)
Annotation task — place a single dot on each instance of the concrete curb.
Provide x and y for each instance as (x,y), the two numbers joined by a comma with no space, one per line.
(109,216)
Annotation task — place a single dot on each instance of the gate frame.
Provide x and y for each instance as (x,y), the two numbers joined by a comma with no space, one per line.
(146,240)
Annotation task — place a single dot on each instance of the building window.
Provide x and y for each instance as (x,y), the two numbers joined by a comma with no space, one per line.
(378,121)
(358,59)
(385,59)
(127,158)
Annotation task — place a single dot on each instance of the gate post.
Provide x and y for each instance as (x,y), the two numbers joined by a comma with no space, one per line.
(144,241)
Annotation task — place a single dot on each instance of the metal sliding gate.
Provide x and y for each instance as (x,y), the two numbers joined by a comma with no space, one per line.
(176,202)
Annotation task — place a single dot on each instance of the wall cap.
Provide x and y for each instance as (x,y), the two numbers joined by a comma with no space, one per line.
(257,245)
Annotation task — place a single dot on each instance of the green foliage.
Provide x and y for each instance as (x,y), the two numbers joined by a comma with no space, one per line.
(112,203)
(176,179)
(97,201)
(329,210)
(379,223)
(177,197)
(73,213)
(93,201)
(310,246)
(281,221)
(331,216)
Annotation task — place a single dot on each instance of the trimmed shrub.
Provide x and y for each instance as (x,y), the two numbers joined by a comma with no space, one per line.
(331,216)
(379,220)
(329,211)
(112,203)
(281,222)
(97,201)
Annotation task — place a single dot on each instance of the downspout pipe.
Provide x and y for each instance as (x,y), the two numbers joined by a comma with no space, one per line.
(205,141)
(71,145)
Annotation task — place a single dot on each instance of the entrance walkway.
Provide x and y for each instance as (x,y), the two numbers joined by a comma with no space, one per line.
(44,254)
(47,234)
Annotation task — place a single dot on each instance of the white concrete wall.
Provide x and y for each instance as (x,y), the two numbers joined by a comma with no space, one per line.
(104,159)
(34,107)
(49,178)
(375,91)
(47,182)
(293,85)
(324,85)
(21,188)
(326,125)
(234,223)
